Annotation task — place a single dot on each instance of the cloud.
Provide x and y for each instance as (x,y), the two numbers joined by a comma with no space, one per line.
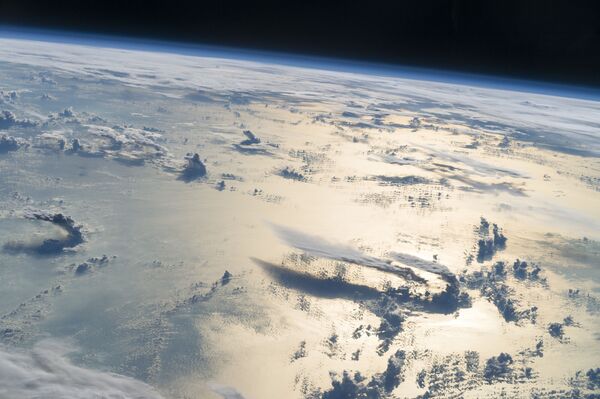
(559,123)
(8,120)
(445,301)
(251,138)
(317,246)
(128,145)
(194,169)
(252,145)
(477,167)
(225,391)
(45,372)
(380,385)
(418,263)
(9,143)
(9,96)
(73,235)
(399,180)
(291,174)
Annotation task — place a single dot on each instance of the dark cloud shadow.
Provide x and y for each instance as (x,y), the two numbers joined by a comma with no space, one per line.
(319,287)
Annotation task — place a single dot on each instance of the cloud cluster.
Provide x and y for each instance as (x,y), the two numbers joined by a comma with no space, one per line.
(9,96)
(9,143)
(488,244)
(9,119)
(380,385)
(493,286)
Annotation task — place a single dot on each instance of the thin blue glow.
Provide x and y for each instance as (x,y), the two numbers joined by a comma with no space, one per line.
(305,61)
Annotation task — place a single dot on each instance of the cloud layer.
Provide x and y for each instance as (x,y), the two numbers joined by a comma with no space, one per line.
(45,372)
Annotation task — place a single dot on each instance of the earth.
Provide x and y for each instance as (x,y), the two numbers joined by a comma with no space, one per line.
(178,225)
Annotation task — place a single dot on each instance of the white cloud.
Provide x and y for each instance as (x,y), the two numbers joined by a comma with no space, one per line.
(557,122)
(45,372)
(318,246)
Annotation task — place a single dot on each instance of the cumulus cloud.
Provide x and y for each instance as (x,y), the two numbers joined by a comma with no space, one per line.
(291,174)
(381,385)
(253,145)
(9,96)
(194,169)
(251,138)
(45,372)
(9,143)
(9,119)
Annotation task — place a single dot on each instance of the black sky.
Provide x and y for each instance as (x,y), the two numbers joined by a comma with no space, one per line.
(549,40)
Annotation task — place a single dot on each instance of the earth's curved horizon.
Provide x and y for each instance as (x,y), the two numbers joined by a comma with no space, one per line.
(187,226)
